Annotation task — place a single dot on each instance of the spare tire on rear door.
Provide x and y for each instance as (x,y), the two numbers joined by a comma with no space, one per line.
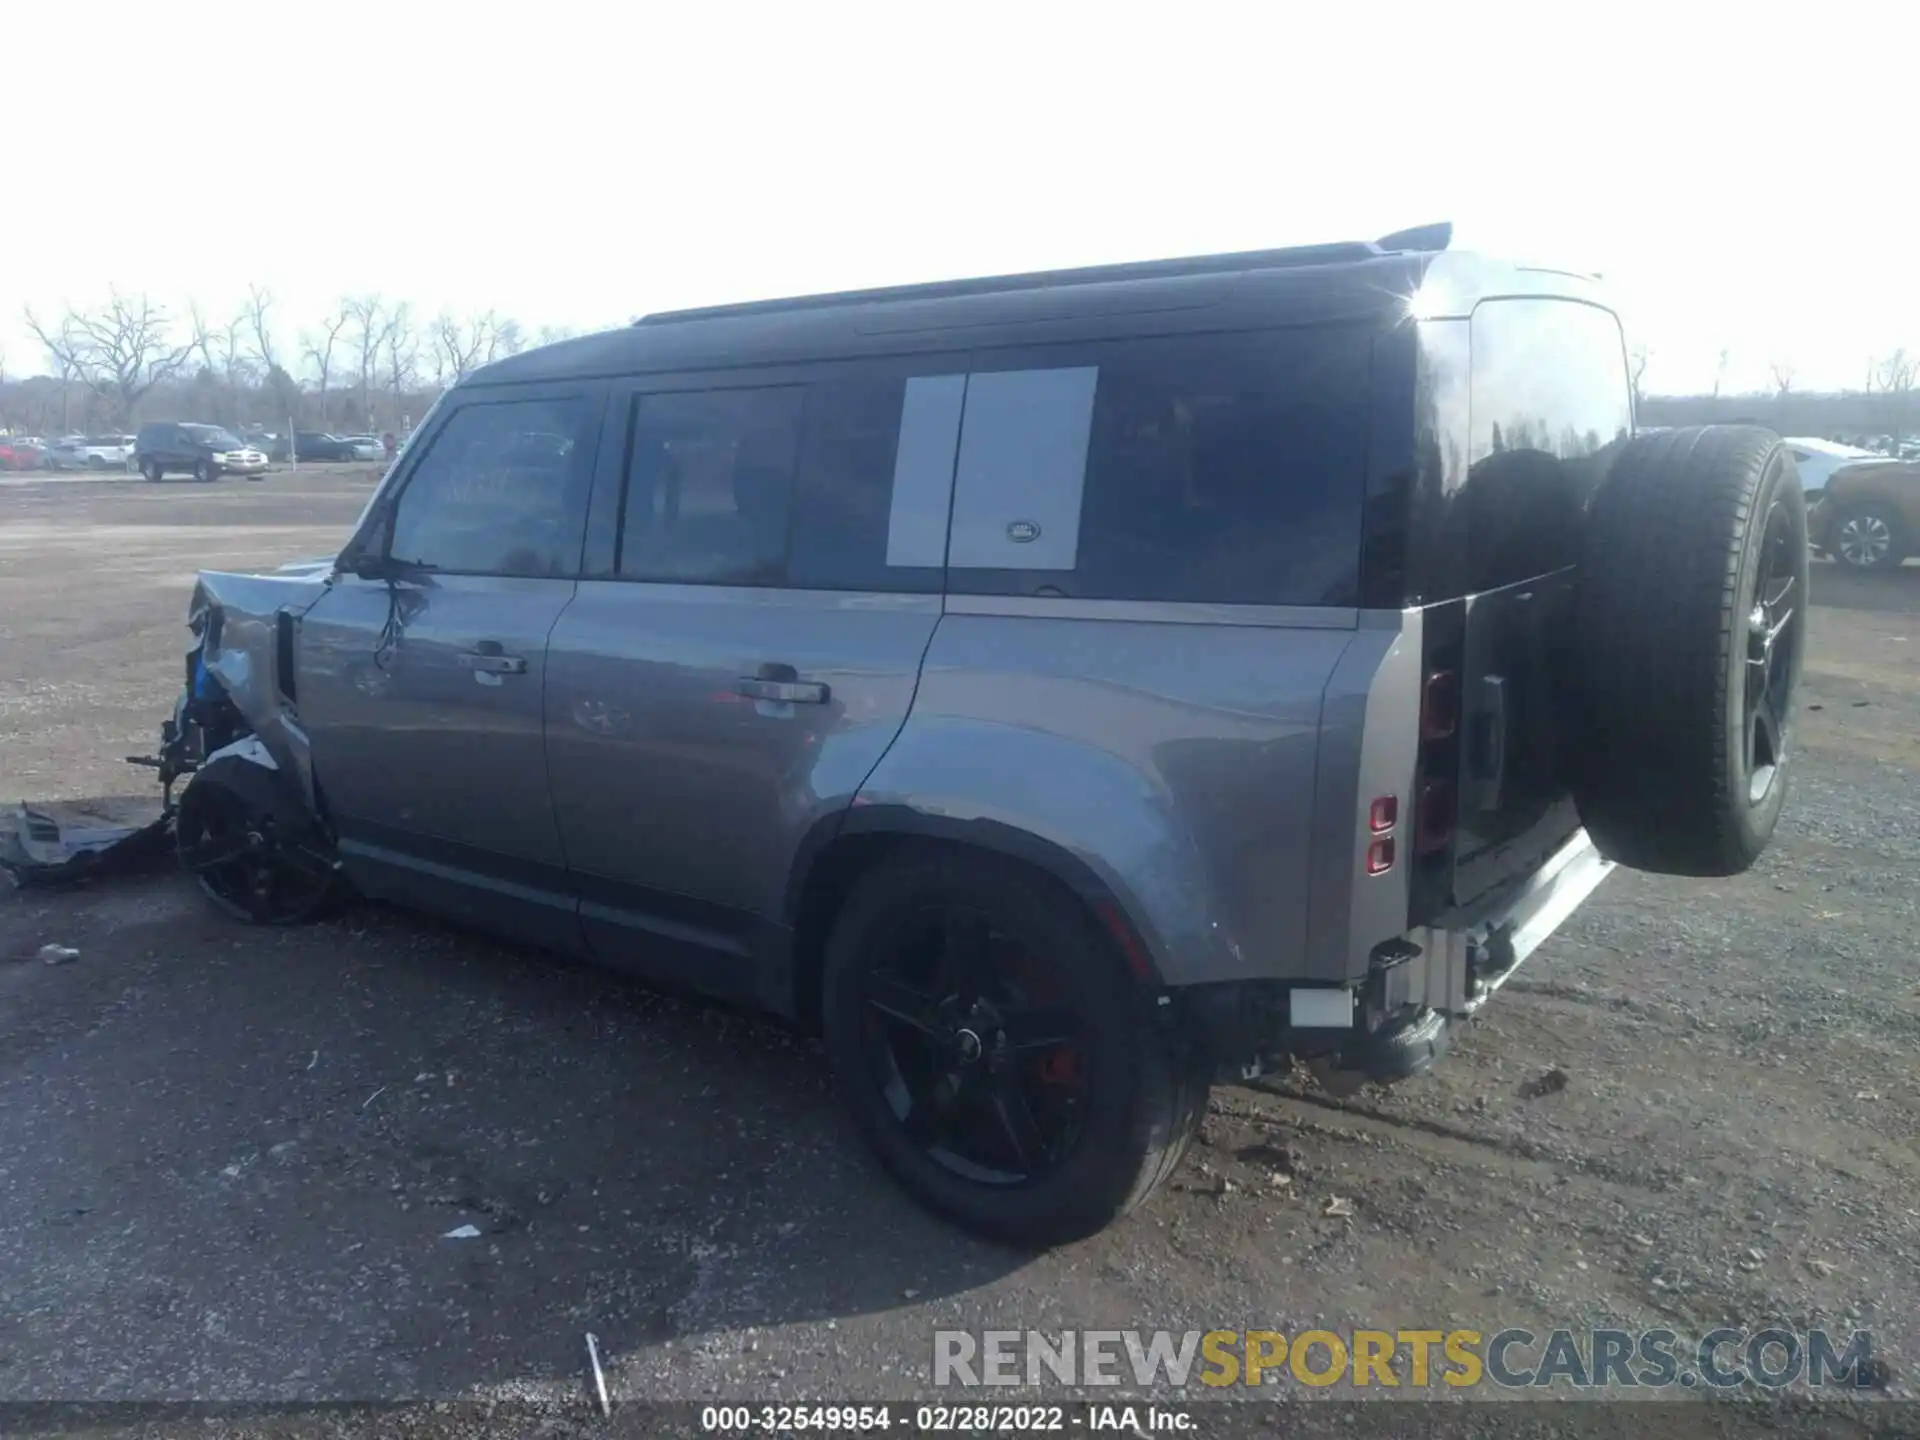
(1686,648)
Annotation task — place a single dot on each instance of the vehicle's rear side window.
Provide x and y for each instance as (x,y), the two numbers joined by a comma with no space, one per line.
(709,486)
(1550,404)
(840,483)
(875,478)
(501,490)
(1549,376)
(1225,469)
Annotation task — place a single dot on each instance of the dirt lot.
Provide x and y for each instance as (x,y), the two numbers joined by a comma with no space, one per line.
(228,1158)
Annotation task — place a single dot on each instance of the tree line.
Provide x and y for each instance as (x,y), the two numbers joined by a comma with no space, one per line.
(1883,405)
(368,365)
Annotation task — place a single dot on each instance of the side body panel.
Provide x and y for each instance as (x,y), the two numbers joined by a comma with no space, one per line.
(1176,761)
(434,774)
(683,799)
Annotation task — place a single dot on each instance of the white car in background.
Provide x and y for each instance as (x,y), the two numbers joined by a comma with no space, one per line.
(366,447)
(1817,459)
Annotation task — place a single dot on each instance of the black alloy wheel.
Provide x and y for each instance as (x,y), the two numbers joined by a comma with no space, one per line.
(974,1043)
(1775,627)
(1003,1060)
(244,863)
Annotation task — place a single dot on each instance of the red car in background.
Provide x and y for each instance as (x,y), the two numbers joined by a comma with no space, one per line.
(21,454)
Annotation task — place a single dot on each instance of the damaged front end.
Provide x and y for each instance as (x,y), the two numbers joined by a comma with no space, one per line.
(248,824)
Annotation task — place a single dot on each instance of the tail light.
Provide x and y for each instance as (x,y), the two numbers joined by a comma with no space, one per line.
(1380,856)
(1382,816)
(1440,706)
(1434,822)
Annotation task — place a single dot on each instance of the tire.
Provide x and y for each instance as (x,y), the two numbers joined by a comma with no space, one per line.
(153,470)
(94,462)
(283,877)
(1687,641)
(1867,535)
(204,473)
(1136,1093)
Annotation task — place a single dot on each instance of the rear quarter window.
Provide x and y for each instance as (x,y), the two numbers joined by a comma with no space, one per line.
(1224,469)
(1549,406)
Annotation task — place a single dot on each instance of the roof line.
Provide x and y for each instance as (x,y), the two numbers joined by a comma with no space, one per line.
(1425,237)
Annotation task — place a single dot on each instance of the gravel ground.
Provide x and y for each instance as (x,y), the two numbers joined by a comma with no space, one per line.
(228,1158)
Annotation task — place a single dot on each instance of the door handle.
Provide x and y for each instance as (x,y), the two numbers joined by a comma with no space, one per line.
(792,692)
(487,659)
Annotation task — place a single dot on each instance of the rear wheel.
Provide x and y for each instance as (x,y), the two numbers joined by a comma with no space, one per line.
(994,1053)
(1690,632)
(204,472)
(1868,537)
(153,471)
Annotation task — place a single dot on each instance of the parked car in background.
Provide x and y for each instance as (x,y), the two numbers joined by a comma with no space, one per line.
(63,453)
(205,452)
(104,452)
(1868,513)
(320,445)
(366,447)
(1817,459)
(22,452)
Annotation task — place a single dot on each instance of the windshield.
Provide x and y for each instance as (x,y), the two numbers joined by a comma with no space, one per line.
(213,435)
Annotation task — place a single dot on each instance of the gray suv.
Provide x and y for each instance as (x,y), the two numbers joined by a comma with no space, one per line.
(1061,690)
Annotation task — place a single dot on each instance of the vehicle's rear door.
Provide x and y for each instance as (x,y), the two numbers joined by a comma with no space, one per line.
(745,645)
(1549,405)
(423,694)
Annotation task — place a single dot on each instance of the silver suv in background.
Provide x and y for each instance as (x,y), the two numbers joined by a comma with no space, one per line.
(1062,690)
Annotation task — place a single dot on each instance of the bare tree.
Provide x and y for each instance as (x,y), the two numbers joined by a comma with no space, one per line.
(503,338)
(319,348)
(457,346)
(1783,378)
(368,323)
(222,351)
(258,317)
(1637,368)
(402,355)
(119,352)
(1893,377)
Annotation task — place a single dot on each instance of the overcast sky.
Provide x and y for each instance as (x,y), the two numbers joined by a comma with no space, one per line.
(1746,184)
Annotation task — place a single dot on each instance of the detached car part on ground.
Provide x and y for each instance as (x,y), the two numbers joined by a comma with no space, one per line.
(1026,1029)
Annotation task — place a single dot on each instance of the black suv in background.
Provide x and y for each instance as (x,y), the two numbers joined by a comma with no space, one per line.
(205,452)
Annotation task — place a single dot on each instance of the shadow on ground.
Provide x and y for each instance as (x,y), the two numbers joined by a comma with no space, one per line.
(1894,591)
(221,1148)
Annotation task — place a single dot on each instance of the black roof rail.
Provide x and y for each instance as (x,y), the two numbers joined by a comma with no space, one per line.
(1426,237)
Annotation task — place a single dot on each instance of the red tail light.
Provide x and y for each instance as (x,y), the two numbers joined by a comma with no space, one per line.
(1440,706)
(1383,814)
(1380,856)
(1433,826)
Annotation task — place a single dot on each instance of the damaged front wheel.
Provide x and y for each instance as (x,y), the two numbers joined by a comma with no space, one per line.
(250,864)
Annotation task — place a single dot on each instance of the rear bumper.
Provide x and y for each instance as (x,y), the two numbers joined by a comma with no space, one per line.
(1422,985)
(1398,1021)
(1465,959)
